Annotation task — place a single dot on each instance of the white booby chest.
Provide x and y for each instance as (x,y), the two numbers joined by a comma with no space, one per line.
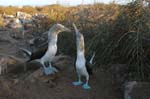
(50,53)
(80,63)
(52,49)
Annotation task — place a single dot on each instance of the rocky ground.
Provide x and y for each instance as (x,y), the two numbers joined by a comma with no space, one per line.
(59,87)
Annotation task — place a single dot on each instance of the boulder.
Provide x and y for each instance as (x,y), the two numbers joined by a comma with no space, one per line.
(7,37)
(8,63)
(137,90)
(119,72)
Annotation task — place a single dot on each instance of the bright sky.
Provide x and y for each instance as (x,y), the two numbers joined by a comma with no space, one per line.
(48,2)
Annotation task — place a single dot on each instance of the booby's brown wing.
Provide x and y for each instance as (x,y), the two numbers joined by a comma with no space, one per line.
(90,64)
(89,68)
(39,53)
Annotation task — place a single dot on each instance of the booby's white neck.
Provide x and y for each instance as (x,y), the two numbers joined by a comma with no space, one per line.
(80,44)
(80,54)
(52,38)
(80,47)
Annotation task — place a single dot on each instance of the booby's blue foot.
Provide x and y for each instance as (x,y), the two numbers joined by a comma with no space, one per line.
(86,86)
(54,69)
(48,70)
(77,83)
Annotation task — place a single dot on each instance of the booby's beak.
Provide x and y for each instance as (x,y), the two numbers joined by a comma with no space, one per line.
(66,29)
(60,28)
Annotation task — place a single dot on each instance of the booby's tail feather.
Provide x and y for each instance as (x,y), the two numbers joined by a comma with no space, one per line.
(26,51)
(89,64)
(92,58)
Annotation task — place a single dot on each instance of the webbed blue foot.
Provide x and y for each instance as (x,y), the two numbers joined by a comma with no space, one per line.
(77,83)
(86,86)
(48,70)
(54,69)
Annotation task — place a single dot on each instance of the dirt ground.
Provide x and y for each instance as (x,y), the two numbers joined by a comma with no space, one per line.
(62,88)
(59,87)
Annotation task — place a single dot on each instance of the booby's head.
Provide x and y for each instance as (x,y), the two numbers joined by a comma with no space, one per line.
(57,28)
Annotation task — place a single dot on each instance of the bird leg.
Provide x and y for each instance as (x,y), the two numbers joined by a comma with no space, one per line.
(52,68)
(47,69)
(79,82)
(86,85)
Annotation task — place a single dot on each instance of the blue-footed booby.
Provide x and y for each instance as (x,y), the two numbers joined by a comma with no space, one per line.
(46,55)
(82,68)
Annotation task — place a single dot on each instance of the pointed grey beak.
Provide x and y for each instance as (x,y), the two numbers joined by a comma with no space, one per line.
(67,29)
